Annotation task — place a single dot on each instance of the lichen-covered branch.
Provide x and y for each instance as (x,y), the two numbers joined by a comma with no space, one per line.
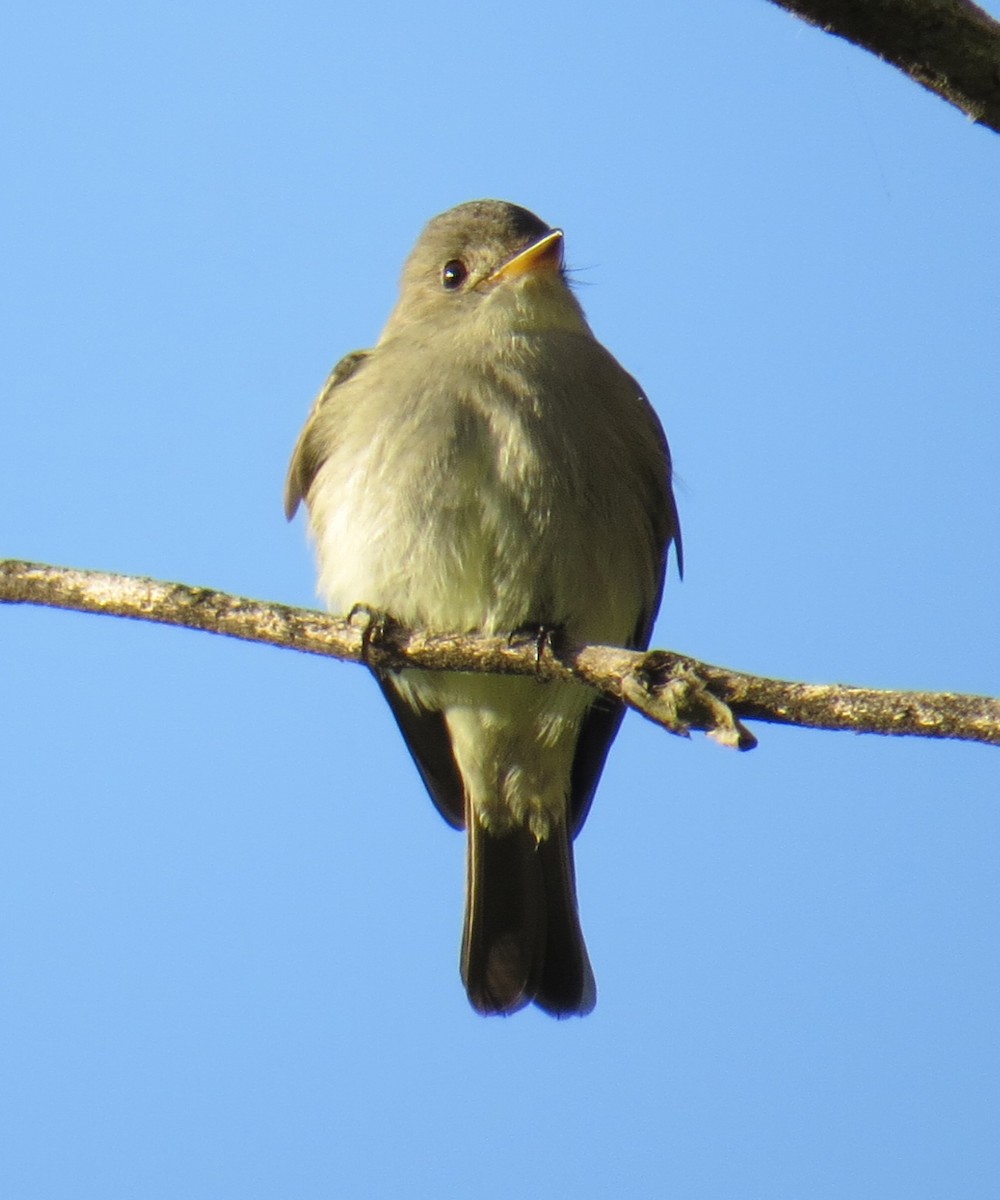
(951,47)
(671,689)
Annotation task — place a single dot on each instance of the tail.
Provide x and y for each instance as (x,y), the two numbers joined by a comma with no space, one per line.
(522,941)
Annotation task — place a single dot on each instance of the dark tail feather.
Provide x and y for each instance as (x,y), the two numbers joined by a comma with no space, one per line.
(522,939)
(566,985)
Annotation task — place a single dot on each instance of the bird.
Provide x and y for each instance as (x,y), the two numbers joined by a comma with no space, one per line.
(488,466)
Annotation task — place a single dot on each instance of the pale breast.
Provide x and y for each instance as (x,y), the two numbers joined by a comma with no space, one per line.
(503,494)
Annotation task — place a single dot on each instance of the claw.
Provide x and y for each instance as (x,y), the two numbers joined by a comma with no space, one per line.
(544,634)
(376,627)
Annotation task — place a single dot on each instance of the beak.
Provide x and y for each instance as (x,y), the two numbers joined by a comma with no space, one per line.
(544,255)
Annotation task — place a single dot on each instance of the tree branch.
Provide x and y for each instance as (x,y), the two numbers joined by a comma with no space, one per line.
(951,47)
(671,689)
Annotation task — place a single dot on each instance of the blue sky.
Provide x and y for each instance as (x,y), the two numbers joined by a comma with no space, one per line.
(230,916)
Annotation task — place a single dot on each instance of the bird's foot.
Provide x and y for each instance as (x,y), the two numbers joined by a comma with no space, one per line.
(544,634)
(376,627)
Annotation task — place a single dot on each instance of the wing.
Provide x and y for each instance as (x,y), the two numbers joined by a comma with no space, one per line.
(426,736)
(601,722)
(306,459)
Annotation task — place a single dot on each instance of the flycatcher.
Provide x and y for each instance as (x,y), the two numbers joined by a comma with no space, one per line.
(489,467)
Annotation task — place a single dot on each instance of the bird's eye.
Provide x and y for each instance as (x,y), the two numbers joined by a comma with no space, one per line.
(453,274)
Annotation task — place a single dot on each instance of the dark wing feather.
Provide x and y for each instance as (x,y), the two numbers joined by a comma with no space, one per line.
(306,457)
(427,739)
(597,732)
(600,725)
